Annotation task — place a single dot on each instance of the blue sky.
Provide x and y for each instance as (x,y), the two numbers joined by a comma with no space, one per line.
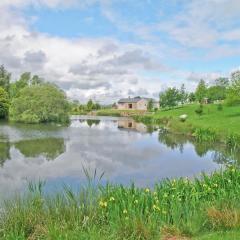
(106,49)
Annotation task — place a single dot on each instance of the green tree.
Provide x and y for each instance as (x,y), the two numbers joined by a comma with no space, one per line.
(201,91)
(182,94)
(169,98)
(216,93)
(40,103)
(25,80)
(5,77)
(191,97)
(233,93)
(4,103)
(150,105)
(96,106)
(222,82)
(90,105)
(36,80)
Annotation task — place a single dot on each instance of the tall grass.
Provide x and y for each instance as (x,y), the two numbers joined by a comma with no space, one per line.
(173,207)
(205,135)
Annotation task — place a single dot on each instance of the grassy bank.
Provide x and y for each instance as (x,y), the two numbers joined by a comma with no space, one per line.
(206,208)
(119,113)
(221,124)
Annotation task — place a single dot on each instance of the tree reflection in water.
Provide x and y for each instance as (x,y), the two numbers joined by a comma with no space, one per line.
(4,152)
(91,122)
(47,147)
(221,154)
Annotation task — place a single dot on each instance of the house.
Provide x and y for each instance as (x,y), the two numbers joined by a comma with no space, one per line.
(136,103)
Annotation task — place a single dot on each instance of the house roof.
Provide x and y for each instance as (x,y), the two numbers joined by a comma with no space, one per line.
(130,100)
(134,100)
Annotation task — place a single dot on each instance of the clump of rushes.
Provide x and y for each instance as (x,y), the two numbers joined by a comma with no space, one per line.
(179,206)
(233,141)
(205,135)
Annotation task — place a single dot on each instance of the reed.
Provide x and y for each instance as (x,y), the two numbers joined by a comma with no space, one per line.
(181,207)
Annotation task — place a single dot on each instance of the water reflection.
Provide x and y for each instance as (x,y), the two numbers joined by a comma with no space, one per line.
(123,149)
(50,148)
(220,153)
(4,152)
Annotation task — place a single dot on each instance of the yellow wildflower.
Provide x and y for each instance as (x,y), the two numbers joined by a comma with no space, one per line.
(112,199)
(125,211)
(147,190)
(155,193)
(136,201)
(156,208)
(103,204)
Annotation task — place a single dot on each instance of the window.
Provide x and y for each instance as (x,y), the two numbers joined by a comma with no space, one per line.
(130,106)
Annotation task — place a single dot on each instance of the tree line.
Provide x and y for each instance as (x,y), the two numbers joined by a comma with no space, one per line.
(78,108)
(222,89)
(31,99)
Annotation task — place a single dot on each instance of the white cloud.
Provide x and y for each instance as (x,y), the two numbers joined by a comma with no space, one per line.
(106,68)
(84,67)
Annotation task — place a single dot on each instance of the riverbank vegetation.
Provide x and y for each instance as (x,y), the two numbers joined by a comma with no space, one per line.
(201,208)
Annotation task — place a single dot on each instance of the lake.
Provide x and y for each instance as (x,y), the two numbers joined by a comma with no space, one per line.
(124,150)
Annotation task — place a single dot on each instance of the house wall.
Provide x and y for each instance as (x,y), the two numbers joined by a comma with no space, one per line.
(156,105)
(125,106)
(142,104)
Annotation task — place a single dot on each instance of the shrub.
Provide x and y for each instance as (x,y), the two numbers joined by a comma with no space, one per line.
(4,103)
(199,110)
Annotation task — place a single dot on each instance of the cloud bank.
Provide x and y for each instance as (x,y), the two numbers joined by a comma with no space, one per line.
(105,68)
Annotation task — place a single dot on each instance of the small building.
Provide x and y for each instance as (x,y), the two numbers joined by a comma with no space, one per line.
(136,103)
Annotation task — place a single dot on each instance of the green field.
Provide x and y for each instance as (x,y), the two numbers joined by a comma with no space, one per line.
(118,113)
(199,209)
(223,122)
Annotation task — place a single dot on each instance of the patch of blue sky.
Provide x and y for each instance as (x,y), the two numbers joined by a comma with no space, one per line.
(71,23)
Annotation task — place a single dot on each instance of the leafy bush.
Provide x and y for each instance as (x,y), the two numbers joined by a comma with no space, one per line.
(40,103)
(199,110)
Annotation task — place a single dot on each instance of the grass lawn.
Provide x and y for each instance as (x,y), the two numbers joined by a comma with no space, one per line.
(118,113)
(224,122)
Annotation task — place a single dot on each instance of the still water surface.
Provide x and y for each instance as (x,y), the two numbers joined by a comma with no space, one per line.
(126,151)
